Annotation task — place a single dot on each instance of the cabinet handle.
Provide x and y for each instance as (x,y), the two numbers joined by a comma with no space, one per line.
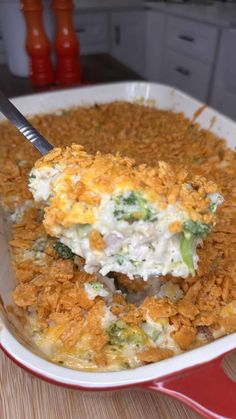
(81,30)
(117,34)
(183,71)
(186,38)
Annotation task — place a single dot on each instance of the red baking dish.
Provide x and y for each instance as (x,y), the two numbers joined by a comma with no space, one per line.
(195,377)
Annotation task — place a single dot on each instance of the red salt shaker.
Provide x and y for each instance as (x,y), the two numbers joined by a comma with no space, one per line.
(37,44)
(66,44)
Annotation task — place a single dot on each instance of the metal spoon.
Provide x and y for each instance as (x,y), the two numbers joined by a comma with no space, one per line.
(23,125)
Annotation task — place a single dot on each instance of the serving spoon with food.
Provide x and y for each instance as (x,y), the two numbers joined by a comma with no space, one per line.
(135,220)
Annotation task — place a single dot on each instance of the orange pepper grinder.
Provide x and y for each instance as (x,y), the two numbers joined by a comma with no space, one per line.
(37,44)
(66,44)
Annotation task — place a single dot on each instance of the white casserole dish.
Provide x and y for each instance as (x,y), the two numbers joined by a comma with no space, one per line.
(195,377)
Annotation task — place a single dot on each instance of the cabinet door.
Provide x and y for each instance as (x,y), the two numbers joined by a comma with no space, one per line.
(92,31)
(2,49)
(224,101)
(2,52)
(194,39)
(190,76)
(156,23)
(223,95)
(128,39)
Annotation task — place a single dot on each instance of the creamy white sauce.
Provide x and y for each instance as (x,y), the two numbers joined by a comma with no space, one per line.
(108,318)
(19,211)
(94,290)
(164,329)
(141,248)
(170,290)
(40,182)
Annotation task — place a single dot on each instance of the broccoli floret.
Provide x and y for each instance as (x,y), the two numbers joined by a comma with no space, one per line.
(191,231)
(116,333)
(133,207)
(132,199)
(121,215)
(63,251)
(137,337)
(216,200)
(186,249)
(96,286)
(94,289)
(121,333)
(196,228)
(136,263)
(151,331)
(120,259)
(213,207)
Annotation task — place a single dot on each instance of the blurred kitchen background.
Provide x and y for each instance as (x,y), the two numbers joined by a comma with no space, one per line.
(190,45)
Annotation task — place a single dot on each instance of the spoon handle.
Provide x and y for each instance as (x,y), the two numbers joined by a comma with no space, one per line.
(23,125)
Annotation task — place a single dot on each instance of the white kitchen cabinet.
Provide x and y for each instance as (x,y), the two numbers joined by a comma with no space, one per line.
(2,49)
(2,52)
(155,37)
(92,32)
(194,39)
(186,74)
(181,52)
(223,95)
(128,39)
(224,101)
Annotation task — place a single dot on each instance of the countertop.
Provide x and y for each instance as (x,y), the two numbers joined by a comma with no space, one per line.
(222,15)
(100,5)
(24,396)
(96,68)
